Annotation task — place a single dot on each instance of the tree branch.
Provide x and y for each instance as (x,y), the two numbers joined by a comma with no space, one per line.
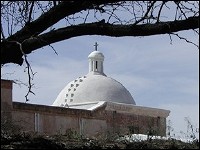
(182,38)
(54,15)
(29,69)
(10,54)
(163,3)
(146,14)
(30,12)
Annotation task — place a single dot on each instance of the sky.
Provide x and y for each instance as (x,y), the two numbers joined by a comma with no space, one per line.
(156,72)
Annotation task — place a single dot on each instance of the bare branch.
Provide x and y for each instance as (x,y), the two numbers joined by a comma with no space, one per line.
(30,74)
(30,12)
(170,37)
(19,82)
(143,19)
(86,16)
(30,71)
(2,33)
(146,14)
(52,16)
(98,28)
(196,31)
(160,11)
(177,3)
(182,38)
(43,41)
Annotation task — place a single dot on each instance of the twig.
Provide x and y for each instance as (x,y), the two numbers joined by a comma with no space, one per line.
(145,16)
(30,12)
(177,3)
(182,38)
(48,44)
(170,39)
(3,36)
(86,16)
(160,11)
(18,82)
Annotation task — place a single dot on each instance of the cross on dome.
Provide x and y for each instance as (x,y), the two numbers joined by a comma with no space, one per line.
(96,46)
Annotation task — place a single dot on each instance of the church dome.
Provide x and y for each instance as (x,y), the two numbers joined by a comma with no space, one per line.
(93,87)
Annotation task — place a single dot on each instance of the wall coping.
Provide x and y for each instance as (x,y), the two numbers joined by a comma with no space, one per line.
(138,110)
(109,106)
(50,109)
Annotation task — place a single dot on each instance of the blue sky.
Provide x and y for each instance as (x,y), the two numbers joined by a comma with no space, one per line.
(157,74)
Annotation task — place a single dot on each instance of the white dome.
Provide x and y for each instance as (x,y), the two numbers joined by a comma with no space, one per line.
(95,86)
(91,88)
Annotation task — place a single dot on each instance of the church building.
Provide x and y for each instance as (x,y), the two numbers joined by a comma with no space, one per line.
(91,105)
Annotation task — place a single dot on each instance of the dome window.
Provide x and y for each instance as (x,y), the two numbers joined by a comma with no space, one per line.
(66,105)
(96,66)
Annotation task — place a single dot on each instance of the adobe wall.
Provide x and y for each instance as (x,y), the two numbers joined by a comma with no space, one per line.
(6,100)
(138,119)
(123,123)
(108,119)
(56,120)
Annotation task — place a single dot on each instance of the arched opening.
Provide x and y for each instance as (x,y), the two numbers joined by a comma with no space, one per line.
(96,66)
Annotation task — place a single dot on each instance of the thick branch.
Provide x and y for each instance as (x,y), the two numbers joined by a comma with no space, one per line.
(98,28)
(54,15)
